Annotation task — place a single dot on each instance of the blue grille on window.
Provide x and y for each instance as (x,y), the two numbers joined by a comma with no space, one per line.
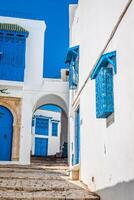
(104,93)
(72,59)
(73,74)
(103,75)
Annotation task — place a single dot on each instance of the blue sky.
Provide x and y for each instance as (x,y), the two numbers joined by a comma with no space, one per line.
(55,14)
(51,107)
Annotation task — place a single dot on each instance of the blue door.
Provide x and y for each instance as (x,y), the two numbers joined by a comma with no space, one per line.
(77,136)
(41,146)
(6,132)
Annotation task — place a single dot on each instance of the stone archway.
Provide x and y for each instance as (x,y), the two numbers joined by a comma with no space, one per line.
(14,105)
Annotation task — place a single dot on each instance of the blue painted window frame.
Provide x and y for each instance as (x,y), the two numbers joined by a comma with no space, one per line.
(55,128)
(103,75)
(104,93)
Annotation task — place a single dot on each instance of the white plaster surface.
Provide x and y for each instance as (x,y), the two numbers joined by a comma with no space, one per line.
(107,154)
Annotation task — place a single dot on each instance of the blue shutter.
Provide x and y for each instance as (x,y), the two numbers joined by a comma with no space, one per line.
(12,60)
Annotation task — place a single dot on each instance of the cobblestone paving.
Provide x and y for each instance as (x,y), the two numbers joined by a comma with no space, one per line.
(41,181)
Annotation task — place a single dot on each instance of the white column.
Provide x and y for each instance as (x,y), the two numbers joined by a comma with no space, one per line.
(25,136)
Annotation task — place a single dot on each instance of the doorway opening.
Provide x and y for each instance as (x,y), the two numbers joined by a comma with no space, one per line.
(49,137)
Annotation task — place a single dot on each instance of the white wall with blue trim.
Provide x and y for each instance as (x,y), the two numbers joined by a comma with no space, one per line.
(106,143)
(34,91)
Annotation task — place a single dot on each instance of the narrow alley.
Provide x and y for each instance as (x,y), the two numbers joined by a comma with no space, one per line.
(43,179)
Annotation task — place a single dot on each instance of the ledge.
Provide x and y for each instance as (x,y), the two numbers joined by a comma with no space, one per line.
(11,83)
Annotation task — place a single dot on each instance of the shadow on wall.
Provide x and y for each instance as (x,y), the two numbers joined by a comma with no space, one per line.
(121,191)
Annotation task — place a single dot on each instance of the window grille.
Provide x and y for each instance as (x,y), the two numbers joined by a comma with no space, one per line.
(72,59)
(104,93)
(103,75)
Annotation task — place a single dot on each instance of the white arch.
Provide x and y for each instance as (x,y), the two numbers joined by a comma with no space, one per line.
(50,92)
(51,99)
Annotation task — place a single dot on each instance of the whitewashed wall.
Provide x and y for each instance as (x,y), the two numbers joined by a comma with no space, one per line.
(53,141)
(107,154)
(35,91)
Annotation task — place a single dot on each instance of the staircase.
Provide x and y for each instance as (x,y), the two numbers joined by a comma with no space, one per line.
(42,180)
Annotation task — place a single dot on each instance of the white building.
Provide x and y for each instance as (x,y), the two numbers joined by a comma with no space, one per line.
(46,133)
(23,88)
(102,36)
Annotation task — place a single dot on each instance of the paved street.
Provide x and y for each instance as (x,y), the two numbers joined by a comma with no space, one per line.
(40,180)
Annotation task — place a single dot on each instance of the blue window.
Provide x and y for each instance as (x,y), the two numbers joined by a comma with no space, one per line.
(42,126)
(54,128)
(12,49)
(72,59)
(103,75)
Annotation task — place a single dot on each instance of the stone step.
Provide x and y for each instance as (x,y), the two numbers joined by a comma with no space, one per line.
(46,195)
(41,181)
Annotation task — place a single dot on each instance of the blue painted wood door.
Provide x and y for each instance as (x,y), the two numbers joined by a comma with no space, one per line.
(41,146)
(6,132)
(77,136)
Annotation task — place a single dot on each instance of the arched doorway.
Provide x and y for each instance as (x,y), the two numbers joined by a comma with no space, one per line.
(50,128)
(6,133)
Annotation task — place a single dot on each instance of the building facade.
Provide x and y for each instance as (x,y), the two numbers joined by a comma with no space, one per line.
(101,106)
(23,88)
